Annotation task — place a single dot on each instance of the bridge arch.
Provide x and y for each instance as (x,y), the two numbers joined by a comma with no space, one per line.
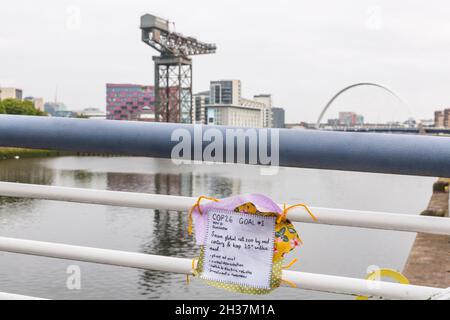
(327,106)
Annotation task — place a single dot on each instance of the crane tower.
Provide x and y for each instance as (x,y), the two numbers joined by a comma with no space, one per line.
(173,68)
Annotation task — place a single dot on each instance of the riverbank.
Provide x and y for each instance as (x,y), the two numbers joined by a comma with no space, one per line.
(17,153)
(14,153)
(429,261)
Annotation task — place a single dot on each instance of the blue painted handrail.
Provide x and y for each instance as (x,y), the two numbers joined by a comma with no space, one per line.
(369,152)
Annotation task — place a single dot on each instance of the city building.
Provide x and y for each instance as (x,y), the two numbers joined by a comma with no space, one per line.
(226,106)
(439,119)
(130,102)
(442,118)
(235,116)
(261,107)
(93,113)
(226,92)
(199,100)
(446,118)
(37,102)
(147,114)
(278,118)
(266,111)
(10,93)
(350,119)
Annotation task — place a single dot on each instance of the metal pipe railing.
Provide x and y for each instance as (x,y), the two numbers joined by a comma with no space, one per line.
(328,216)
(378,153)
(369,152)
(303,280)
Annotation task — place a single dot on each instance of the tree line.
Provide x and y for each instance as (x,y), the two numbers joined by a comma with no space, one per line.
(14,106)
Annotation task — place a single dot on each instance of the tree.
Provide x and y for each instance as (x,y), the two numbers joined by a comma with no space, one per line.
(14,106)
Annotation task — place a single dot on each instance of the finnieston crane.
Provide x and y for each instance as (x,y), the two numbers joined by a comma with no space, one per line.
(173,68)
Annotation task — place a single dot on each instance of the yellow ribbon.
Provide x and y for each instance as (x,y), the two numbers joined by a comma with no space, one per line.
(290,283)
(197,205)
(290,264)
(193,271)
(282,217)
(283,214)
(389,273)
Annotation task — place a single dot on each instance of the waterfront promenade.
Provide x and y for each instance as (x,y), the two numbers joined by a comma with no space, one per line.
(429,261)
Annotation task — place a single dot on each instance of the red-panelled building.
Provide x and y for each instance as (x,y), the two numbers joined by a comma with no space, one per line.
(130,102)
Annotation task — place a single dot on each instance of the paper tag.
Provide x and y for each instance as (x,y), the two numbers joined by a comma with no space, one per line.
(239,248)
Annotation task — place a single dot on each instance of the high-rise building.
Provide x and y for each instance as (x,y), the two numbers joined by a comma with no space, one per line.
(130,102)
(447,118)
(266,111)
(10,93)
(442,118)
(223,105)
(225,92)
(227,107)
(278,118)
(199,101)
(439,119)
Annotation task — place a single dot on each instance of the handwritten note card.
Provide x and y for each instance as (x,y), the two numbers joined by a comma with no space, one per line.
(239,248)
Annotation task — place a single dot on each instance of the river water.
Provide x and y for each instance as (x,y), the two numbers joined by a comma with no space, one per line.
(327,249)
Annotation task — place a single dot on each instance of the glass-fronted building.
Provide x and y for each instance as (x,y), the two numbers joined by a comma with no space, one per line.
(278,118)
(225,92)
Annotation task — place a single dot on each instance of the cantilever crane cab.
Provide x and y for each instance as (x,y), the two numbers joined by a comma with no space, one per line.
(149,21)
(173,68)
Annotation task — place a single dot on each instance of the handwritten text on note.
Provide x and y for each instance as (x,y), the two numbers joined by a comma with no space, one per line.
(239,248)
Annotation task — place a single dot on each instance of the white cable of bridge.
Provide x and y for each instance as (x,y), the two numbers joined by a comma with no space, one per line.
(303,280)
(326,216)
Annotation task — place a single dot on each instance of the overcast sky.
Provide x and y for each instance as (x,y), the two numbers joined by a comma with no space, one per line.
(302,52)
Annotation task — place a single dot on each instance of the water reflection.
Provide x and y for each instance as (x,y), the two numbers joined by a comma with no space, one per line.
(169,233)
(169,238)
(327,249)
(19,171)
(82,176)
(8,200)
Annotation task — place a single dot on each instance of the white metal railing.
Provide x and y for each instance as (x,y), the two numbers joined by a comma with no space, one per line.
(326,150)
(327,216)
(303,280)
